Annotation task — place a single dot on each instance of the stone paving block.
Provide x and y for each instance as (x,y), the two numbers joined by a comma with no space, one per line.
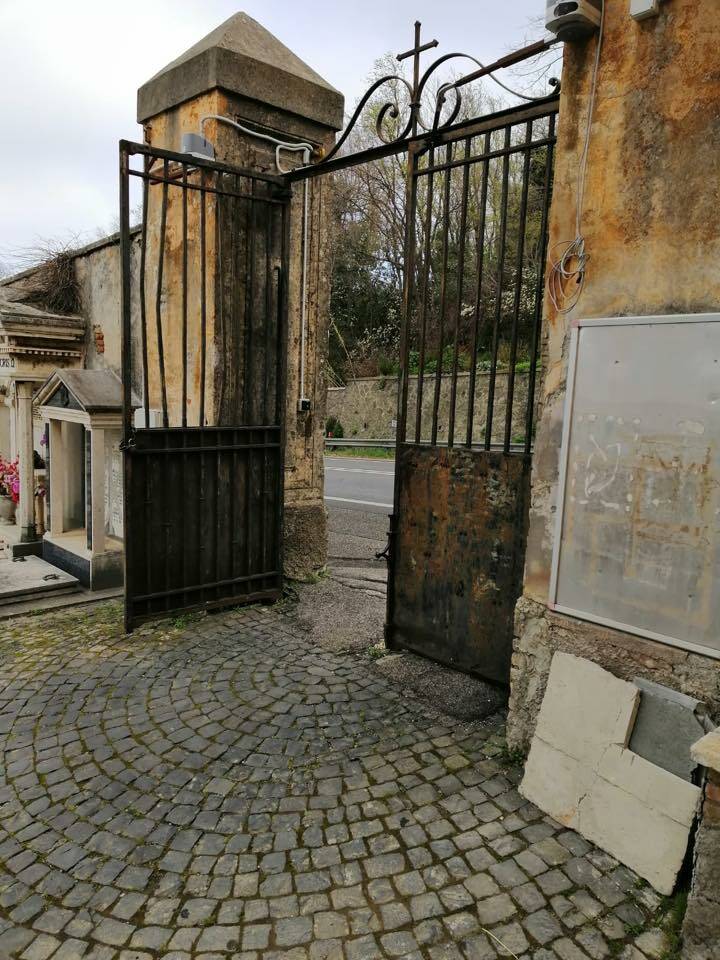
(542,926)
(512,939)
(496,909)
(480,948)
(593,942)
(219,811)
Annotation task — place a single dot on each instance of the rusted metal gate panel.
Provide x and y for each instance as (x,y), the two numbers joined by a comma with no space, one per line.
(204,331)
(459,554)
(478,201)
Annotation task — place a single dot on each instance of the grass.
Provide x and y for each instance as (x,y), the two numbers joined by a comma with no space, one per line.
(377,651)
(669,918)
(511,758)
(375,453)
(673,910)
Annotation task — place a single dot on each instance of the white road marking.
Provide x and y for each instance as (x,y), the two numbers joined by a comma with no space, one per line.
(364,503)
(375,473)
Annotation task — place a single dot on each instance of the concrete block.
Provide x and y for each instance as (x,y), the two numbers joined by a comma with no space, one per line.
(581,773)
(666,726)
(706,752)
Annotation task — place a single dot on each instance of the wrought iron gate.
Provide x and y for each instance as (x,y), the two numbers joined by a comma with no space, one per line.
(477,226)
(204,330)
(477,202)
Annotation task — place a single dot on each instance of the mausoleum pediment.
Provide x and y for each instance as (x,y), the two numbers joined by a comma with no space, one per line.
(32,339)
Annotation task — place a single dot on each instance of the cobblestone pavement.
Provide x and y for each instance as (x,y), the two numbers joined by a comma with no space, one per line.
(226,788)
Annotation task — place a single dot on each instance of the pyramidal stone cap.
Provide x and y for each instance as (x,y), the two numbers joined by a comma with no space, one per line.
(242,57)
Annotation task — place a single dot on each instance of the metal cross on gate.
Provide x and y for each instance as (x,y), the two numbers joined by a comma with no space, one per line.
(415,54)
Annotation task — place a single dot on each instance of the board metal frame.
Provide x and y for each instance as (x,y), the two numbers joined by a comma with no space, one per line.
(553,605)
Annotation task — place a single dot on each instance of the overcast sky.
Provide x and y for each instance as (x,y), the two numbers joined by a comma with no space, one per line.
(70,69)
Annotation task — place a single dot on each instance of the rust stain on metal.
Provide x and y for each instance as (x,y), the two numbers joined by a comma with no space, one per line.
(459,555)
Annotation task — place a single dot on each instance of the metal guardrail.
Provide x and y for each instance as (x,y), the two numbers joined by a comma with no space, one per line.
(331,442)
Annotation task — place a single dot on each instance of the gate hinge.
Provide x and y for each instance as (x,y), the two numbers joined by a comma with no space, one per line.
(129,443)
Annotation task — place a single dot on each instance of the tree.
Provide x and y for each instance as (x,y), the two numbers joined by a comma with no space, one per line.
(457,269)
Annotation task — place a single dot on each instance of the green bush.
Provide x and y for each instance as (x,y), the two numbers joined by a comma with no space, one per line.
(387,367)
(333,428)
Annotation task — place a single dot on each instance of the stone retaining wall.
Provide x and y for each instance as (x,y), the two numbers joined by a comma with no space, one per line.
(367,406)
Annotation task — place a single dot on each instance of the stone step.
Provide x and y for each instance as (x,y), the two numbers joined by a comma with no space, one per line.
(31,577)
(37,595)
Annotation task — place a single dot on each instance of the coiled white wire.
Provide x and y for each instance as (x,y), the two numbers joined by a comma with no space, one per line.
(571,265)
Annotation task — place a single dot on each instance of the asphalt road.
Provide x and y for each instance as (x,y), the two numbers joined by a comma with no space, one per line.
(355,483)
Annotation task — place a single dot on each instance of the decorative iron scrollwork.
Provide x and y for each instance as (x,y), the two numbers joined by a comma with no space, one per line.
(441,117)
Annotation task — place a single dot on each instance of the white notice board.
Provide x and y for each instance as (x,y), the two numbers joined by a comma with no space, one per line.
(637,541)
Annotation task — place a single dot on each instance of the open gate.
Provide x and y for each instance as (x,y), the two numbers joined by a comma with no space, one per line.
(204,330)
(477,200)
(477,229)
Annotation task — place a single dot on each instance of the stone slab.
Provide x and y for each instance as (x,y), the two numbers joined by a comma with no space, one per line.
(604,706)
(666,726)
(639,834)
(23,577)
(706,752)
(646,782)
(581,773)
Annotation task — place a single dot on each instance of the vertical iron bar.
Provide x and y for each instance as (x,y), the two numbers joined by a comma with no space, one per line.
(250,413)
(461,284)
(480,275)
(184,189)
(519,263)
(427,254)
(164,506)
(184,348)
(235,416)
(234,339)
(443,297)
(266,382)
(280,399)
(143,299)
(502,242)
(126,295)
(408,285)
(158,294)
(219,320)
(539,287)
(249,303)
(203,304)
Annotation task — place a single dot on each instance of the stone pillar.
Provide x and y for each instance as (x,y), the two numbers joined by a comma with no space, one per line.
(26,506)
(57,477)
(242,72)
(701,929)
(96,520)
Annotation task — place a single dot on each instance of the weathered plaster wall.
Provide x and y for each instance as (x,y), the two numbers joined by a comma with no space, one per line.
(650,222)
(367,407)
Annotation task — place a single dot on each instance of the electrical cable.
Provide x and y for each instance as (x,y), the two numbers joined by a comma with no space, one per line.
(571,265)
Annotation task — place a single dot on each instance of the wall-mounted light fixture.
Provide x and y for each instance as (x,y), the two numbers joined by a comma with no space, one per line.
(642,9)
